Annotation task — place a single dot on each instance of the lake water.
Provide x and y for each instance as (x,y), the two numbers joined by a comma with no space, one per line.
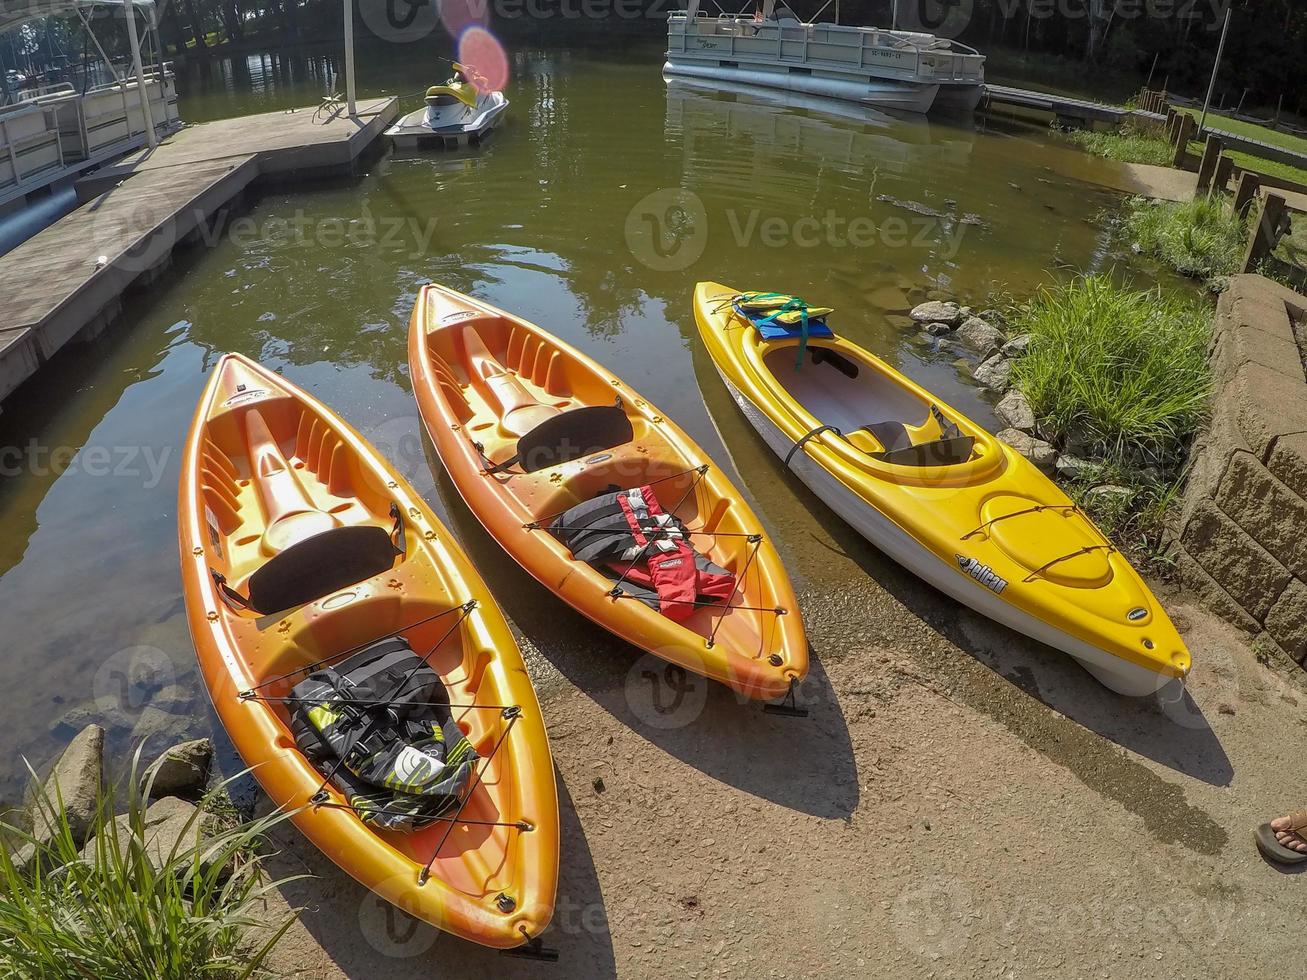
(562,218)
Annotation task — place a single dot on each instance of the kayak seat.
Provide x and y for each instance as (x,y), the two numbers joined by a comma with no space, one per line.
(940,444)
(570,435)
(319,565)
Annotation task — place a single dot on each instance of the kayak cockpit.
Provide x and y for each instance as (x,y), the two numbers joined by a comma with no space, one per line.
(869,409)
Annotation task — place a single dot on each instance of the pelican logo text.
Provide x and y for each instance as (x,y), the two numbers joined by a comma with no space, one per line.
(982,574)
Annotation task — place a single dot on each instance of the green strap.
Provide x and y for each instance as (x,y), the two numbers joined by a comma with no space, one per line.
(794,304)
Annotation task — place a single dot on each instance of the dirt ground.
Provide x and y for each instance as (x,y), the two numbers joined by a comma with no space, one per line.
(960,802)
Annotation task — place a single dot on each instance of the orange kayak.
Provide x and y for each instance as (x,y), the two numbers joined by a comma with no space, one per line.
(299,545)
(488,384)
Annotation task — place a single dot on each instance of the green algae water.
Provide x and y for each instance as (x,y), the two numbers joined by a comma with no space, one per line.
(594,209)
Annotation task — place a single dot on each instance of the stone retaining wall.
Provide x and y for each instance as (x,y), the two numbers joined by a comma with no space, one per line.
(1242,533)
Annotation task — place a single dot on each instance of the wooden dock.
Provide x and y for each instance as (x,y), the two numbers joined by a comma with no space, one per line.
(1064,108)
(68,280)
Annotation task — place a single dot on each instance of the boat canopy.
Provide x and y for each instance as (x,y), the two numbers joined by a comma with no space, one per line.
(15,13)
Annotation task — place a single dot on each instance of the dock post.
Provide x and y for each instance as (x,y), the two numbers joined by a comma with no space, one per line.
(1221,179)
(1245,192)
(1265,232)
(1207,165)
(1183,135)
(349,59)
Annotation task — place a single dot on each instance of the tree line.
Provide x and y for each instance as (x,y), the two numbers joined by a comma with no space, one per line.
(1174,41)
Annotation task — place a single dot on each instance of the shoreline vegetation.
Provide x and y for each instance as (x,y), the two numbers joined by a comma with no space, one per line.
(1103,387)
(128,881)
(1118,376)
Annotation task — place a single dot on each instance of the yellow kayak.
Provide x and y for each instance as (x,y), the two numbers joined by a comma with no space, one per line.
(941,496)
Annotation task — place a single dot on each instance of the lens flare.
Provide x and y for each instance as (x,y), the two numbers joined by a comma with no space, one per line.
(458,14)
(480,49)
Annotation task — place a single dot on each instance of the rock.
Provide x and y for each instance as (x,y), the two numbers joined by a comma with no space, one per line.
(937,311)
(175,700)
(979,336)
(995,372)
(888,298)
(1225,708)
(1109,493)
(168,827)
(598,784)
(182,769)
(995,317)
(75,781)
(1074,468)
(1014,411)
(1039,452)
(938,329)
(1017,346)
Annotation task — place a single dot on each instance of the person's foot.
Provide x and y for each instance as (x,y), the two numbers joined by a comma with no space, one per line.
(1289,833)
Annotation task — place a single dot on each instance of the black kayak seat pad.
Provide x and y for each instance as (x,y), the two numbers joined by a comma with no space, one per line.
(571,435)
(320,565)
(951,448)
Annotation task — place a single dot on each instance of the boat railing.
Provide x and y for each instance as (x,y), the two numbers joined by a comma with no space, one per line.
(834,45)
(63,128)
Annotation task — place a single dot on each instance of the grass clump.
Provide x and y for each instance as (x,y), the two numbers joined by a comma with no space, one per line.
(1125,146)
(1119,371)
(126,909)
(1119,377)
(1198,238)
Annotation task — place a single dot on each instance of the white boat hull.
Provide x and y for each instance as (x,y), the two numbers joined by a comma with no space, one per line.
(449,126)
(882,93)
(1112,672)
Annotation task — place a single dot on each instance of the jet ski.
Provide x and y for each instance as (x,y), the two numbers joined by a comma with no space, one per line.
(463,110)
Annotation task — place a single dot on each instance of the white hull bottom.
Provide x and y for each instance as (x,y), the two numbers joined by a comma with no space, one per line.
(883,93)
(449,127)
(1113,672)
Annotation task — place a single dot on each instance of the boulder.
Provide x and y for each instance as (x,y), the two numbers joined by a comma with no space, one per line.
(938,329)
(888,298)
(937,311)
(182,769)
(74,780)
(168,828)
(1039,452)
(1074,468)
(1017,346)
(977,335)
(995,317)
(1014,411)
(995,372)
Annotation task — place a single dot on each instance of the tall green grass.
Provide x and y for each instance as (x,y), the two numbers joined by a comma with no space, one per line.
(126,911)
(1198,238)
(1120,371)
(1124,146)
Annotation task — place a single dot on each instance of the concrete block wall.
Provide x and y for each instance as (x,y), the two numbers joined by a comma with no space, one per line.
(1242,533)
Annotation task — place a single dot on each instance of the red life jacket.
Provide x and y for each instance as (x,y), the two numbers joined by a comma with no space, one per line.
(629,533)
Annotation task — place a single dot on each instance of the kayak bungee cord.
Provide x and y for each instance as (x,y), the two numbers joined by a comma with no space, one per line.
(523,825)
(757,543)
(512,714)
(540,522)
(248,694)
(657,535)
(1017,513)
(320,795)
(1087,549)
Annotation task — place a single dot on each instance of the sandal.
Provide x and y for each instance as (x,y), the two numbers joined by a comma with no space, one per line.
(1273,849)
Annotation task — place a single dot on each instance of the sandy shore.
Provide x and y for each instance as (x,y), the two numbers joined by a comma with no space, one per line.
(960,802)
